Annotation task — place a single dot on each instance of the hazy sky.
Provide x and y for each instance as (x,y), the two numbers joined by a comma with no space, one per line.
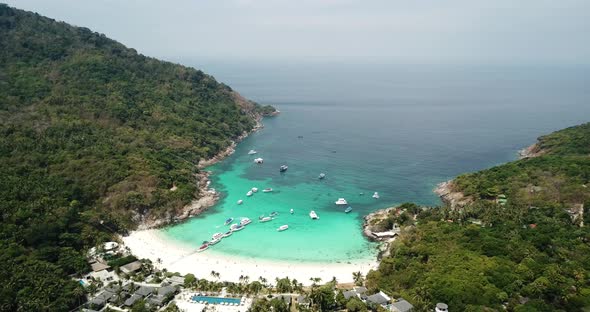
(394,31)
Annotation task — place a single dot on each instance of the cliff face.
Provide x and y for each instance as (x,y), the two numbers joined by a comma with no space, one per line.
(450,196)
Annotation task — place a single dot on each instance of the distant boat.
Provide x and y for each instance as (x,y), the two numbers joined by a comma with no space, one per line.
(252,152)
(361,193)
(376,195)
(283,168)
(245,221)
(240,202)
(321,176)
(349,209)
(267,190)
(249,193)
(228,233)
(265,219)
(228,221)
(217,236)
(203,247)
(341,201)
(274,213)
(300,137)
(254,189)
(313,215)
(214,241)
(282,228)
(259,160)
(292,211)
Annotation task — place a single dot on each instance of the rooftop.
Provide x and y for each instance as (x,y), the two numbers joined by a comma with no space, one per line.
(97,266)
(401,306)
(131,267)
(379,298)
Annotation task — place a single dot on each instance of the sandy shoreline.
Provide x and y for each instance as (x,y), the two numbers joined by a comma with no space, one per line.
(150,244)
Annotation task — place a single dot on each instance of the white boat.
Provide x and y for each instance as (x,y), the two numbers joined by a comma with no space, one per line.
(238,227)
(282,228)
(228,221)
(376,195)
(292,211)
(258,160)
(267,190)
(252,152)
(321,176)
(254,189)
(217,236)
(349,209)
(273,214)
(249,193)
(215,241)
(240,202)
(283,168)
(313,215)
(265,219)
(203,247)
(341,201)
(228,233)
(245,221)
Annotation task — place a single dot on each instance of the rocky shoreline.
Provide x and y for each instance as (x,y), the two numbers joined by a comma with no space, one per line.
(531,151)
(449,196)
(206,197)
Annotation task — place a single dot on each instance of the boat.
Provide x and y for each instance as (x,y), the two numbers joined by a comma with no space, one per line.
(349,209)
(259,160)
(283,168)
(238,227)
(214,241)
(245,221)
(249,193)
(376,195)
(282,228)
(313,215)
(228,233)
(274,213)
(265,219)
(292,211)
(240,202)
(267,190)
(228,221)
(203,247)
(341,201)
(252,152)
(217,236)
(321,176)
(254,189)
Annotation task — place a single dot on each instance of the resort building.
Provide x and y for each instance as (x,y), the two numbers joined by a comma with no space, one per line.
(379,298)
(303,301)
(401,306)
(176,280)
(131,267)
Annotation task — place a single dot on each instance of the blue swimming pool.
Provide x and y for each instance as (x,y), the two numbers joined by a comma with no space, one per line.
(215,300)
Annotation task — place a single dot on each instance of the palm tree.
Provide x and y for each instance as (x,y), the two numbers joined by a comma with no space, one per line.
(334,280)
(358,278)
(78,292)
(246,279)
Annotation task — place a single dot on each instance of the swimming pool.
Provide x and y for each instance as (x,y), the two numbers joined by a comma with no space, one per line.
(216,300)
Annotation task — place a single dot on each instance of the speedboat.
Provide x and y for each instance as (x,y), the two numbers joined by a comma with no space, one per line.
(292,211)
(349,209)
(322,175)
(265,219)
(240,202)
(228,221)
(376,195)
(258,160)
(267,190)
(341,201)
(215,241)
(203,247)
(313,215)
(274,213)
(245,221)
(217,236)
(249,193)
(252,152)
(228,233)
(237,227)
(254,189)
(282,228)
(283,168)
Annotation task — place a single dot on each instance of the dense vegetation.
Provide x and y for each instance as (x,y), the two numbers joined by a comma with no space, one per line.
(93,135)
(529,253)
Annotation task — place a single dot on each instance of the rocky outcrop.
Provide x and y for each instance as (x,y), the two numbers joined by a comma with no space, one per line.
(531,151)
(450,196)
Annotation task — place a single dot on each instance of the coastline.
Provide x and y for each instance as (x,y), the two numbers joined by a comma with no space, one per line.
(175,257)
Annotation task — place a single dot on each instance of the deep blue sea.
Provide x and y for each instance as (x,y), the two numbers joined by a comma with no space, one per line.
(395,129)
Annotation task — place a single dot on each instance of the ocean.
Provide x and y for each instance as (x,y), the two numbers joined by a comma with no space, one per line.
(393,129)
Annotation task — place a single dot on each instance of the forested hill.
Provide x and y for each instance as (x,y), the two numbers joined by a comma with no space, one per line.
(522,242)
(92,133)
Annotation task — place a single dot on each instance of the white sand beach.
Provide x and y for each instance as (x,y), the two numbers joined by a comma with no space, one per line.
(178,258)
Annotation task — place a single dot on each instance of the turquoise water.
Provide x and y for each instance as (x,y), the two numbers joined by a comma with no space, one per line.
(397,130)
(216,300)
